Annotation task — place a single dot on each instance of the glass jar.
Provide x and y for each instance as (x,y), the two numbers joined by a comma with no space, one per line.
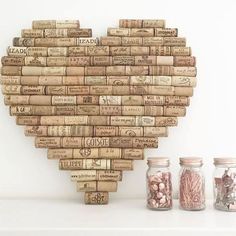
(191,184)
(159,185)
(225,184)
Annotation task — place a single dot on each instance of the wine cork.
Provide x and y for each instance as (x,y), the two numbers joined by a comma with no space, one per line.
(95,80)
(177,100)
(55,24)
(184,81)
(174,41)
(109,100)
(86,41)
(153,41)
(84,186)
(145,121)
(12,61)
(155,132)
(156,89)
(161,70)
(24,42)
(17,51)
(174,111)
(123,60)
(184,61)
(58,51)
(26,110)
(42,142)
(153,23)
(97,164)
(110,186)
(118,32)
(130,131)
(132,110)
(87,99)
(110,41)
(131,41)
(139,50)
(32,33)
(10,80)
(110,110)
(40,100)
(166,121)
(35,61)
(77,51)
(33,70)
(122,164)
(11,70)
(165,60)
(133,154)
(184,71)
(115,70)
(83,175)
(36,131)
(96,198)
(71,164)
(131,100)
(136,70)
(88,110)
(75,71)
(141,80)
(130,23)
(184,91)
(145,60)
(120,50)
(97,50)
(118,80)
(143,32)
(95,70)
(105,131)
(71,131)
(28,120)
(123,120)
(153,100)
(109,175)
(37,51)
(11,89)
(160,50)
(16,99)
(55,42)
(63,100)
(59,153)
(167,32)
(181,51)
(70,33)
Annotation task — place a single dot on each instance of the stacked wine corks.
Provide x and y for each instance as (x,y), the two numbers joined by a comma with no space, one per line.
(97,103)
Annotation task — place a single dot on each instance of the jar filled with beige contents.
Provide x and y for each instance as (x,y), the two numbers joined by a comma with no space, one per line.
(159,185)
(191,184)
(225,184)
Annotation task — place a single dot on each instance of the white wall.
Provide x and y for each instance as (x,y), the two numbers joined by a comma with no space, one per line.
(209,128)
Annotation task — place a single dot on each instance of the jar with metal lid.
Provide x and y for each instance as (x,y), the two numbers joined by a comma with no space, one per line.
(225,184)
(159,185)
(191,184)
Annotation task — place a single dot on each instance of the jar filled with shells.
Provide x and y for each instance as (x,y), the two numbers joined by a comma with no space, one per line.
(159,185)
(225,184)
(191,184)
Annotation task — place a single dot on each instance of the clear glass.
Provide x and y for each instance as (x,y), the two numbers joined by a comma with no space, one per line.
(159,188)
(224,183)
(191,188)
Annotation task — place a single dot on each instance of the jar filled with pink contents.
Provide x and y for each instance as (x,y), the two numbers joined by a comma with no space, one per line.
(159,185)
(191,184)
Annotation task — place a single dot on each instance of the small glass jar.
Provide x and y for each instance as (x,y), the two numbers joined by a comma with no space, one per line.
(225,184)
(159,185)
(191,184)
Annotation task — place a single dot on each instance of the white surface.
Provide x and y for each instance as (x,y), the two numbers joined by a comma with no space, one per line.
(130,216)
(208,130)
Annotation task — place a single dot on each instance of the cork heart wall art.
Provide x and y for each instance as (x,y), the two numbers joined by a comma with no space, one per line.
(96,103)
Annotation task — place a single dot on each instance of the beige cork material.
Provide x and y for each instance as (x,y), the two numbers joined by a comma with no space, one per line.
(96,103)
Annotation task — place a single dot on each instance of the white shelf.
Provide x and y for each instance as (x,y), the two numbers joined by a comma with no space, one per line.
(23,217)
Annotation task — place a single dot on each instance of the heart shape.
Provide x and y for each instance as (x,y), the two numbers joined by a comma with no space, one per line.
(97,103)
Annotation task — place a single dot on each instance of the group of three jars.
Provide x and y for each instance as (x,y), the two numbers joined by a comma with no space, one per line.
(191,184)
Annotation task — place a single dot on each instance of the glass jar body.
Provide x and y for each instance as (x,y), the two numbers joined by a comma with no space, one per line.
(224,182)
(159,188)
(191,188)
